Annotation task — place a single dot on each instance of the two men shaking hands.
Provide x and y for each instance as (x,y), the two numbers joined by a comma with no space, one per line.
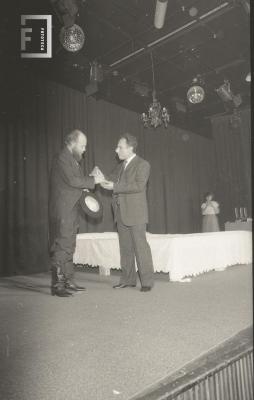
(128,182)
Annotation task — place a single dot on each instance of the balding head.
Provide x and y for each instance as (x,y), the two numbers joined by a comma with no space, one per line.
(73,136)
(76,142)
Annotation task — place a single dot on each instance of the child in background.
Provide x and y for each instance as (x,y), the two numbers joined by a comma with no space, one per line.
(210,209)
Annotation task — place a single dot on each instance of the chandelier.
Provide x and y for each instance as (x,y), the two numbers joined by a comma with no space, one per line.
(156,113)
(72,38)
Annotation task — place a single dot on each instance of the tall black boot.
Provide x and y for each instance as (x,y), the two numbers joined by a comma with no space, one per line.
(58,283)
(71,285)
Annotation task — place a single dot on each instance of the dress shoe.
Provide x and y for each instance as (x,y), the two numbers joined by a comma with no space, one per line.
(60,292)
(145,289)
(122,286)
(74,287)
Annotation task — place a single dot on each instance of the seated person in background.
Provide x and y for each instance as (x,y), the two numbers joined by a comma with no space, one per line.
(210,209)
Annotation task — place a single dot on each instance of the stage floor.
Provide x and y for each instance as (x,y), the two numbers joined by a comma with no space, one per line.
(108,344)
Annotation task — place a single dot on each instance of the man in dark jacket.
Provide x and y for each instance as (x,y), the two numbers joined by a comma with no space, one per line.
(66,185)
(129,185)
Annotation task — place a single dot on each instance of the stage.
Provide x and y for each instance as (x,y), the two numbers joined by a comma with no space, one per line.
(179,256)
(112,344)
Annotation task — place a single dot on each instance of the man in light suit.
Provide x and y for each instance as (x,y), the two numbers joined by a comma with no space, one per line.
(129,203)
(66,184)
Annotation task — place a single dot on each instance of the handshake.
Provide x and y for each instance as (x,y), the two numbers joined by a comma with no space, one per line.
(99,178)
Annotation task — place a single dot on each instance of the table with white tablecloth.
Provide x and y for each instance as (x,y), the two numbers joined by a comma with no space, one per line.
(179,255)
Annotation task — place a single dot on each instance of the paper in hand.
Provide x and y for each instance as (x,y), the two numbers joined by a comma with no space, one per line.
(95,171)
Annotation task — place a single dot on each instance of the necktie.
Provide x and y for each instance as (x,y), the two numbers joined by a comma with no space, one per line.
(121,171)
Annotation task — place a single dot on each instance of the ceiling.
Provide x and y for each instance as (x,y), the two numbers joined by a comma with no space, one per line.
(120,35)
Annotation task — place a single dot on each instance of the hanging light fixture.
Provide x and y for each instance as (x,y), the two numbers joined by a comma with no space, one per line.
(196,93)
(160,13)
(156,113)
(72,38)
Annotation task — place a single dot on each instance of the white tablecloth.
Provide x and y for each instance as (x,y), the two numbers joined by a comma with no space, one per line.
(178,255)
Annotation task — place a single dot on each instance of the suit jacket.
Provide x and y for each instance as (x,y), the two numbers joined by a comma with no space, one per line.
(130,192)
(66,183)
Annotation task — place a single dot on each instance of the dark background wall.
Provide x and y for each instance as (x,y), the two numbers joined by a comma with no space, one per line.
(184,166)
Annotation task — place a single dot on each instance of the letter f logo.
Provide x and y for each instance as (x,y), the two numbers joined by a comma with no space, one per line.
(42,34)
(24,31)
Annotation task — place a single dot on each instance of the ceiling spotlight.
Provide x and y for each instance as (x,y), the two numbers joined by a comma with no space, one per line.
(72,38)
(248,77)
(225,92)
(196,93)
(160,13)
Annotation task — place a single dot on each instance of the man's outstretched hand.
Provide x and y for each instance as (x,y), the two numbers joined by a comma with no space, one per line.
(98,175)
(108,185)
(96,172)
(99,179)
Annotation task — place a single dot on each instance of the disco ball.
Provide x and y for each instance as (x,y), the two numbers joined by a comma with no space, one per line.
(72,38)
(195,94)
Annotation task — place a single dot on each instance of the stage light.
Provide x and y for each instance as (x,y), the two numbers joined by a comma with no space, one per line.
(72,38)
(196,93)
(225,92)
(160,13)
(227,96)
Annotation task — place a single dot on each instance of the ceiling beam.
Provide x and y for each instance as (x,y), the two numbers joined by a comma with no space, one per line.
(216,70)
(211,14)
(166,60)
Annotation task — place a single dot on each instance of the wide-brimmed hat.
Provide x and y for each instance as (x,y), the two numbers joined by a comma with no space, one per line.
(91,204)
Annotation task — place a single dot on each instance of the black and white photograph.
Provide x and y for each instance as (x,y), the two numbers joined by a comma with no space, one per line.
(126,200)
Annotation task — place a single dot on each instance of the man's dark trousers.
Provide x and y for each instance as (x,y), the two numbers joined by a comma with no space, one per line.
(133,243)
(64,243)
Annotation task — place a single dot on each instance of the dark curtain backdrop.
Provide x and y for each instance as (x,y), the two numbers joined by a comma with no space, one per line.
(233,163)
(184,166)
